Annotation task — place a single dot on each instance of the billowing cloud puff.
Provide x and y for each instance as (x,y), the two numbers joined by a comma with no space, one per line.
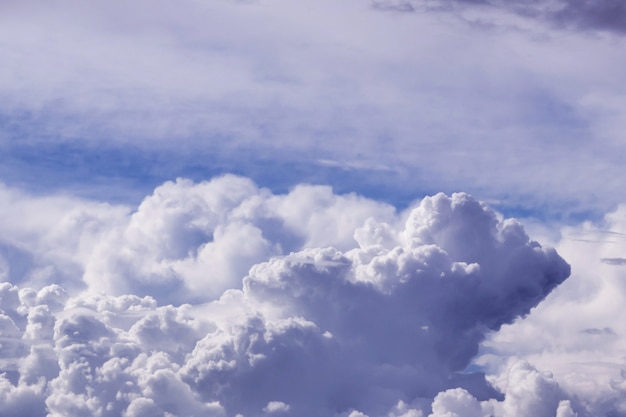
(308,303)
(528,392)
(578,332)
(193,241)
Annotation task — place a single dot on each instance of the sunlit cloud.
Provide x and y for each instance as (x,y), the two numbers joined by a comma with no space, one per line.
(255,208)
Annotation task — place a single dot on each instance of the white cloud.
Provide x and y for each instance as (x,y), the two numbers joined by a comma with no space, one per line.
(365,310)
(578,332)
(431,94)
(455,403)
(276,406)
(49,239)
(193,241)
(354,309)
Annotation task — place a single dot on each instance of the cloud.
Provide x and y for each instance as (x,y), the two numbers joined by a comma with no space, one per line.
(208,235)
(339,306)
(130,102)
(577,333)
(455,403)
(396,6)
(606,15)
(204,297)
(276,406)
(614,261)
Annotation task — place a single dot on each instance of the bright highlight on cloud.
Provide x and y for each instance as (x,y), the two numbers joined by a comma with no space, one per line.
(577,333)
(260,295)
(308,303)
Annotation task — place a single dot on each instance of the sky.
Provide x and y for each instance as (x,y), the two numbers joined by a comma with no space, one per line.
(347,208)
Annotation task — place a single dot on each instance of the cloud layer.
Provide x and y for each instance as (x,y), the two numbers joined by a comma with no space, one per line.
(351,93)
(308,303)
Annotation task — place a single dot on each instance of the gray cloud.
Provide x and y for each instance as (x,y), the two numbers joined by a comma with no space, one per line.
(614,261)
(598,14)
(606,331)
(607,15)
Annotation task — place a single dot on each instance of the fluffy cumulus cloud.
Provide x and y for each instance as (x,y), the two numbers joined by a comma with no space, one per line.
(193,241)
(222,299)
(225,298)
(578,332)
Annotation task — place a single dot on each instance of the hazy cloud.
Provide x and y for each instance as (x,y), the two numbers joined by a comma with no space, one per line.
(606,15)
(102,97)
(614,261)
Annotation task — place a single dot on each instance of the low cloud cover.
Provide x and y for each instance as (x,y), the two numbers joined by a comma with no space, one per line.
(231,300)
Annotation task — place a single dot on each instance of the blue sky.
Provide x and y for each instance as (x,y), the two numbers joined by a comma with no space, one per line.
(120,127)
(446,96)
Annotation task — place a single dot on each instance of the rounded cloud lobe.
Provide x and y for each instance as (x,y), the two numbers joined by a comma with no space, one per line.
(221,298)
(577,333)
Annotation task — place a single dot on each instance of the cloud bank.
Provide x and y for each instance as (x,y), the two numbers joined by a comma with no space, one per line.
(221,298)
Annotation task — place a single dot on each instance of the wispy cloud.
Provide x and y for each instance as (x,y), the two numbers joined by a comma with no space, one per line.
(429,93)
(614,261)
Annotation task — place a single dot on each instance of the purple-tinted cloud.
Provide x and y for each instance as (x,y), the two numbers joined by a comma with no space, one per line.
(410,102)
(356,309)
(606,15)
